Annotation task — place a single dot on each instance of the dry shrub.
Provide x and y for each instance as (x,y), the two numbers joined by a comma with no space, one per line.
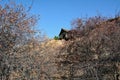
(96,53)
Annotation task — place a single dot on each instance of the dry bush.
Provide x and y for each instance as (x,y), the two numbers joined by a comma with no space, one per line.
(16,30)
(96,54)
(23,56)
(35,61)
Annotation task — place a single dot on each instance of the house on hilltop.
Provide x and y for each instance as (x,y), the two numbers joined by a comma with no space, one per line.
(63,34)
(69,34)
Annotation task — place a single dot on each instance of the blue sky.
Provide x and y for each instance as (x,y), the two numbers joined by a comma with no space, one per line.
(57,14)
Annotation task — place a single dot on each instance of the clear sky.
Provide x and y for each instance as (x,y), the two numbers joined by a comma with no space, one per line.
(57,14)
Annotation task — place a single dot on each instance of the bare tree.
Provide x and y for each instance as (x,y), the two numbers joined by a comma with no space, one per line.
(16,29)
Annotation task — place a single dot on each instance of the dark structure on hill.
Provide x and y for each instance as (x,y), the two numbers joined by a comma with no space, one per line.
(69,34)
(63,34)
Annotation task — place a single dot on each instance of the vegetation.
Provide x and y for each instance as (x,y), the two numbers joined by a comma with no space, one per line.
(16,31)
(95,54)
(56,38)
(92,51)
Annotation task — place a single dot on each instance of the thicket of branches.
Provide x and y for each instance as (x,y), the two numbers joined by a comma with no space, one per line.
(16,36)
(95,55)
